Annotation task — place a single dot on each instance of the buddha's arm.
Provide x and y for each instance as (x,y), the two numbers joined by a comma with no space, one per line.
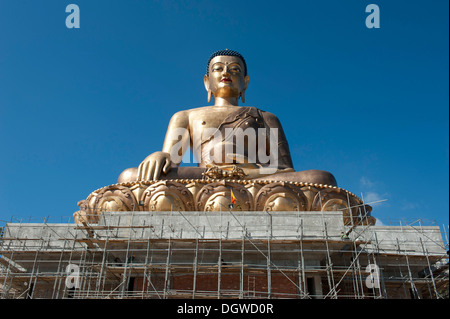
(177,139)
(175,145)
(284,155)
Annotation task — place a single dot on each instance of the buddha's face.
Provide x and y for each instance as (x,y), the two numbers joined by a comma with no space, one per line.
(226,77)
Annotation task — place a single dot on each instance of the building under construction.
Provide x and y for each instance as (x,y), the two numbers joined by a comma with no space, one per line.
(222,254)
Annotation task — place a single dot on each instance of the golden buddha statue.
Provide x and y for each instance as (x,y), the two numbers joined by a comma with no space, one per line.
(242,153)
(209,132)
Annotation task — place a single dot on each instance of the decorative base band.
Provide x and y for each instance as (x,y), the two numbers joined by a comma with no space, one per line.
(215,195)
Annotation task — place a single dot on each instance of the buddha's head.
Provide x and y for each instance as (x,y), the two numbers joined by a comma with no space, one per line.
(226,76)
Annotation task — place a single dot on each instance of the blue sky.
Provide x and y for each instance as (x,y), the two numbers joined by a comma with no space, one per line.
(78,106)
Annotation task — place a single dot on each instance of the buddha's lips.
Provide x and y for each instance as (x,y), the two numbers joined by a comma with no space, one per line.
(225,80)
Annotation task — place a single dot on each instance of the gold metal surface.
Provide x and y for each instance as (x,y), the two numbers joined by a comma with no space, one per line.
(215,195)
(226,82)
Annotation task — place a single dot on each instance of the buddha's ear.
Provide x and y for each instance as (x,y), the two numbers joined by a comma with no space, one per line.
(206,82)
(242,94)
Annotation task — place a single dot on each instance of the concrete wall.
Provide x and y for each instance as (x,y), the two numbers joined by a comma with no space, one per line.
(401,240)
(226,225)
(280,225)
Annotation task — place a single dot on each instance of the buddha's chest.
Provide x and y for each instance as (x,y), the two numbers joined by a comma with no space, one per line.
(207,119)
(218,124)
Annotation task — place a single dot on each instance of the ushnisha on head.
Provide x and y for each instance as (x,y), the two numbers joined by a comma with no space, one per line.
(226,77)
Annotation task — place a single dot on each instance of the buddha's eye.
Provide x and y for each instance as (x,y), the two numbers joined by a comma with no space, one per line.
(235,70)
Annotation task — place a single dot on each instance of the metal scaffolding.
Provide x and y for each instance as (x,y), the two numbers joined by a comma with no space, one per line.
(223,254)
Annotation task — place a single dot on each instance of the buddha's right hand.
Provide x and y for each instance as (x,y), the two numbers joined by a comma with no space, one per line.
(153,165)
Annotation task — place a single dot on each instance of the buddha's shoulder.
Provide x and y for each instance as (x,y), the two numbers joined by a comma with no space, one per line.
(189,113)
(267,114)
(204,109)
(211,108)
(198,111)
